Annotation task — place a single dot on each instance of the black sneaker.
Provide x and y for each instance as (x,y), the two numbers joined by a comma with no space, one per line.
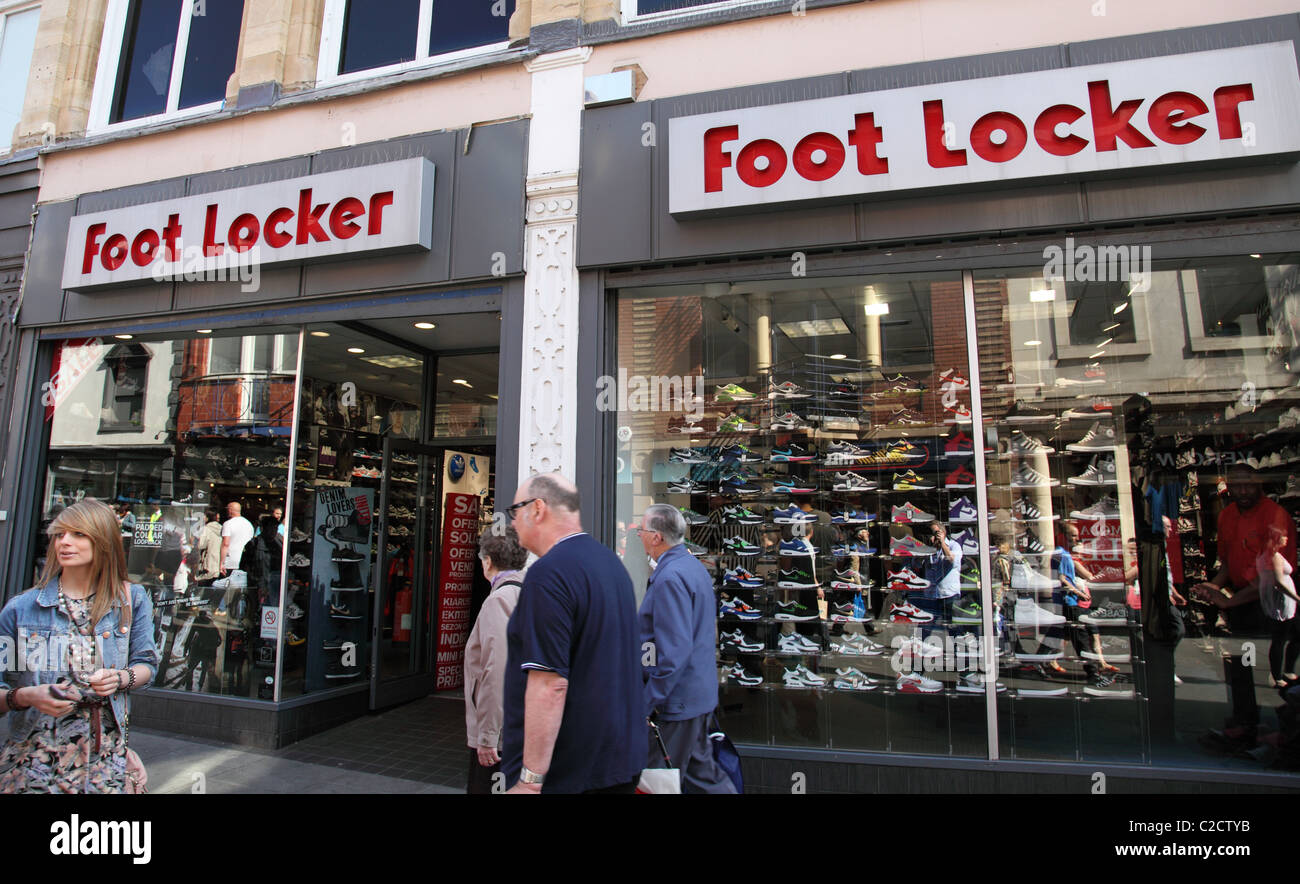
(1107,685)
(1030,545)
(1024,413)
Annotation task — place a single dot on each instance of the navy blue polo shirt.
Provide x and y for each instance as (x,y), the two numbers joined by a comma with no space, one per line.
(577,617)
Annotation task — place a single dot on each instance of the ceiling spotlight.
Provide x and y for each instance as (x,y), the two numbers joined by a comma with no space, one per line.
(124,337)
(1043,295)
(463,382)
(1121,308)
(356,349)
(1098,353)
(1033,343)
(881,309)
(426,325)
(1256,255)
(204,331)
(839,356)
(320,334)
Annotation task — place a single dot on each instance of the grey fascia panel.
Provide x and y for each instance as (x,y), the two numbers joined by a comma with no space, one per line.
(1194,192)
(949,70)
(247,176)
(155,191)
(488,202)
(1183,40)
(971,212)
(353,274)
(615,210)
(274,284)
(133,301)
(43,277)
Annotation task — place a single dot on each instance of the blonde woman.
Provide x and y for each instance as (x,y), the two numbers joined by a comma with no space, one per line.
(83,639)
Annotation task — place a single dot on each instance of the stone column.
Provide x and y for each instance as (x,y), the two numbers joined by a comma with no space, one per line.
(62,79)
(552,393)
(278,47)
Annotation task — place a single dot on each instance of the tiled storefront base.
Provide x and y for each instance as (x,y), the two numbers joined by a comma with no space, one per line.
(245,722)
(777,772)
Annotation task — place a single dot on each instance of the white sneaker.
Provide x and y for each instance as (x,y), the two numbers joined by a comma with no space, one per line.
(915,683)
(802,677)
(909,646)
(738,675)
(850,679)
(797,643)
(856,646)
(1024,577)
(1029,614)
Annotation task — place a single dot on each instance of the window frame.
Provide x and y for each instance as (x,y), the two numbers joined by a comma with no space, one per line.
(331,48)
(1199,341)
(628,9)
(109,70)
(8,8)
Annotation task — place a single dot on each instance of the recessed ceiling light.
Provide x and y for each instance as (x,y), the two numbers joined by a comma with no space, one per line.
(356,349)
(1107,328)
(1033,343)
(1255,255)
(1121,308)
(839,356)
(1098,353)
(880,309)
(426,325)
(1043,295)
(204,331)
(463,382)
(320,334)
(124,337)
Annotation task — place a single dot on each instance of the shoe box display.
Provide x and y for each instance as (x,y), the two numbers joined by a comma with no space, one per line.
(803,495)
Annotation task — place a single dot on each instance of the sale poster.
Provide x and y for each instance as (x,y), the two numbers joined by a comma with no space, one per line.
(456,571)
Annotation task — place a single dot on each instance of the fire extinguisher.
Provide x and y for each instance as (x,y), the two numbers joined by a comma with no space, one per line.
(402,615)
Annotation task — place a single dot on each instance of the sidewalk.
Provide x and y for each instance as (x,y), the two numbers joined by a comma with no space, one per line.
(418,748)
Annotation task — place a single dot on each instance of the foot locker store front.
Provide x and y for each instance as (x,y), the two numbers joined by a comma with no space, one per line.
(285,379)
(978,392)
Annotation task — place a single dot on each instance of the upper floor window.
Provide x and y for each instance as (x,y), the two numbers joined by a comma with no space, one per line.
(159,57)
(634,9)
(367,35)
(17,39)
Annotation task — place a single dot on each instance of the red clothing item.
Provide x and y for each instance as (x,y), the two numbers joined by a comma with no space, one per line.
(1243,536)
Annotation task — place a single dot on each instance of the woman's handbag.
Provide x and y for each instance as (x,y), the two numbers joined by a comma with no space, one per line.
(666,780)
(137,778)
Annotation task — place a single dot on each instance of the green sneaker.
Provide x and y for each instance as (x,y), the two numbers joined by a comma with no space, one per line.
(692,517)
(732,393)
(734,423)
(967,611)
(971,577)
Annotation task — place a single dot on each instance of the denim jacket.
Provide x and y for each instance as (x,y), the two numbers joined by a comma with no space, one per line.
(33,624)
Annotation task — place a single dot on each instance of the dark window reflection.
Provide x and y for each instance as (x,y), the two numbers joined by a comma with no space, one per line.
(645,7)
(148,47)
(378,33)
(210,54)
(460,24)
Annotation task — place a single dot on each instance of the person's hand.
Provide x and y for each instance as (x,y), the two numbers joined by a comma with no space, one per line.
(105,682)
(1177,598)
(525,789)
(40,698)
(488,756)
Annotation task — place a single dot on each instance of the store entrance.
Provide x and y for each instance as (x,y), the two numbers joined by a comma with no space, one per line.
(401,640)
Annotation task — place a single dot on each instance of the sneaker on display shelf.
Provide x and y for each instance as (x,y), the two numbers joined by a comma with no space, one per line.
(909,546)
(850,679)
(962,510)
(1024,577)
(739,642)
(904,580)
(846,613)
(786,390)
(1101,471)
(737,545)
(801,547)
(738,675)
(791,515)
(1027,613)
(850,579)
(910,481)
(737,453)
(1027,477)
(1023,413)
(732,393)
(915,683)
(1029,544)
(1106,508)
(738,609)
(856,645)
(794,610)
(960,478)
(908,514)
(1098,407)
(908,613)
(797,643)
(690,455)
(789,421)
(739,515)
(792,454)
(975,683)
(1109,614)
(692,517)
(851,517)
(1023,445)
(801,677)
(852,482)
(743,578)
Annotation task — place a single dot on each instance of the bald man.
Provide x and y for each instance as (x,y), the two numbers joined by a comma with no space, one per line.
(574,720)
(235,534)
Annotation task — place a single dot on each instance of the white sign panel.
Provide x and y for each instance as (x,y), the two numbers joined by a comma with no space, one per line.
(384,207)
(1226,104)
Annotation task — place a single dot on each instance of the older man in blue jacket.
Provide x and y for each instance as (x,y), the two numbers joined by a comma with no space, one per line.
(679,637)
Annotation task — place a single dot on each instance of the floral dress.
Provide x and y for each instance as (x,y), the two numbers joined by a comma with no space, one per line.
(59,757)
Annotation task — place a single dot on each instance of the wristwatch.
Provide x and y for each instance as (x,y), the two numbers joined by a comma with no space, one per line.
(527,776)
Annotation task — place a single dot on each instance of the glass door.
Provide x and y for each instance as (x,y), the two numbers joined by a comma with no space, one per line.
(402,639)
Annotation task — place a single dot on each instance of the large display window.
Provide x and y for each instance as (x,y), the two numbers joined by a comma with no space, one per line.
(1084,533)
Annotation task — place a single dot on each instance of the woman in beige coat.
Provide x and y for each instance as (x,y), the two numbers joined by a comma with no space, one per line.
(485,656)
(208,546)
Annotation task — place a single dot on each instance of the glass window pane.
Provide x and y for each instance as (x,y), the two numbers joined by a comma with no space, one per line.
(467,396)
(175,445)
(645,7)
(145,70)
(15,62)
(1234,300)
(210,53)
(378,33)
(460,24)
(815,433)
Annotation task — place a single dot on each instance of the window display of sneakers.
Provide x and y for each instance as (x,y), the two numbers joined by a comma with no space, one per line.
(853,482)
(737,609)
(904,580)
(849,679)
(1109,614)
(850,612)
(690,455)
(1106,508)
(1108,684)
(802,677)
(969,542)
(1024,413)
(961,477)
(855,645)
(738,643)
(850,579)
(786,390)
(743,578)
(905,417)
(789,421)
(732,393)
(792,453)
(797,643)
(851,517)
(1025,510)
(1027,613)
(962,510)
(796,578)
(1099,407)
(844,453)
(1107,576)
(1028,544)
(1026,578)
(737,453)
(737,515)
(737,674)
(976,683)
(794,610)
(801,547)
(739,546)
(1021,444)
(790,515)
(1026,476)
(910,481)
(736,423)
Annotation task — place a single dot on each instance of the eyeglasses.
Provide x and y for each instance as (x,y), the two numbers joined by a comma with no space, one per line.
(516,507)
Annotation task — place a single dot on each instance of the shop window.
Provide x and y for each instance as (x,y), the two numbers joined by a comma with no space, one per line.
(359,37)
(814,433)
(126,375)
(466,396)
(17,40)
(165,56)
(1240,303)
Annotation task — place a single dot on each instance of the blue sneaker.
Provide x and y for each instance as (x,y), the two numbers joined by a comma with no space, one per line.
(851,517)
(741,577)
(798,548)
(738,454)
(791,515)
(853,549)
(792,454)
(792,486)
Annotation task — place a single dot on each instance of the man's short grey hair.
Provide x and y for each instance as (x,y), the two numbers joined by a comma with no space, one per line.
(668,521)
(556,491)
